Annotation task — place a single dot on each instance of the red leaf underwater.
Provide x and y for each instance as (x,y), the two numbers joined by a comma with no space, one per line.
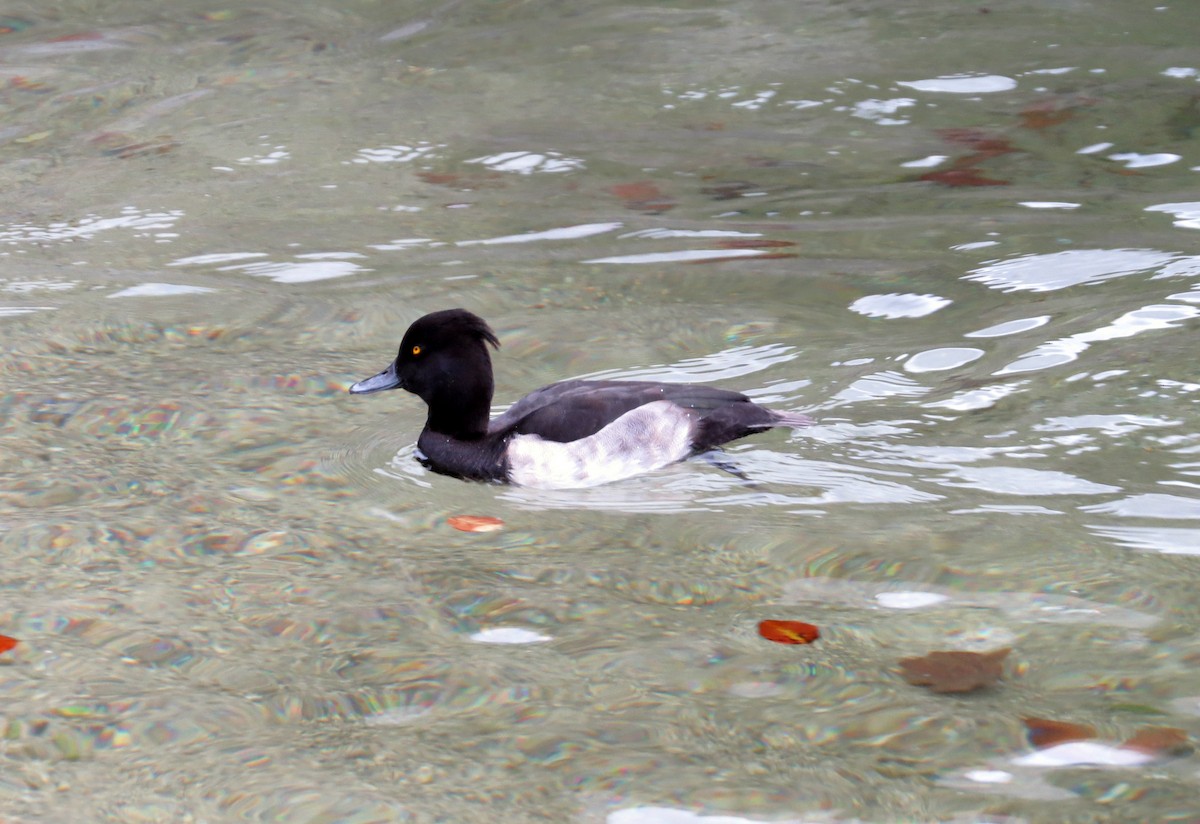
(788,632)
(475,523)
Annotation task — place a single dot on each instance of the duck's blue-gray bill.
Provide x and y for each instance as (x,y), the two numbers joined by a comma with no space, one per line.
(387,379)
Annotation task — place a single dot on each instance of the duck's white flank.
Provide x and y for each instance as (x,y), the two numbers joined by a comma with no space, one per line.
(641,440)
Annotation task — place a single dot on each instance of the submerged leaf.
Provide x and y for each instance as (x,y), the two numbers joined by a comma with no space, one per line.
(475,523)
(1159,741)
(1046,732)
(955,670)
(643,196)
(788,632)
(978,140)
(961,177)
(1041,117)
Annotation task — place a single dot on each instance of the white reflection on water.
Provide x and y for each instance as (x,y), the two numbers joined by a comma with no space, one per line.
(22,287)
(1045,273)
(1135,160)
(882,111)
(1012,480)
(561,233)
(896,305)
(527,163)
(910,599)
(673,815)
(683,256)
(880,385)
(833,482)
(1011,327)
(1084,754)
(221,257)
(1184,267)
(400,244)
(1187,215)
(1167,540)
(1048,204)
(939,457)
(927,162)
(1040,607)
(396,153)
(508,635)
(1003,783)
(962,84)
(274,154)
(1058,70)
(148,290)
(1150,505)
(1065,350)
(12,311)
(688,487)
(1111,425)
(674,233)
(85,228)
(937,360)
(305,269)
(982,397)
(728,363)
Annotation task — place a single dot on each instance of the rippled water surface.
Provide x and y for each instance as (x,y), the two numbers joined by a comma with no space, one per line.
(965,238)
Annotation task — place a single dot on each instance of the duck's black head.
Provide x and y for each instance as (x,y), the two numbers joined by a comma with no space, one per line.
(444,360)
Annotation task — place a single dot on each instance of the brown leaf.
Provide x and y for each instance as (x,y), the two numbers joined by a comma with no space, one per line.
(643,196)
(1046,732)
(461,182)
(788,632)
(961,177)
(729,189)
(955,670)
(1159,741)
(977,139)
(1039,118)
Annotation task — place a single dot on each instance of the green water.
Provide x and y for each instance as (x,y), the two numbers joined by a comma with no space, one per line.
(963,237)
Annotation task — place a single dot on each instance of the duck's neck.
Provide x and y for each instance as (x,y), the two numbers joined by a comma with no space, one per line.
(461,408)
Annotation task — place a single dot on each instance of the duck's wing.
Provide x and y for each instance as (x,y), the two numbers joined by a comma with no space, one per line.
(575,409)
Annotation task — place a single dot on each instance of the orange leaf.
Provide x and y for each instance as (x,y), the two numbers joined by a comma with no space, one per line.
(955,670)
(475,523)
(1046,732)
(7,643)
(1159,741)
(788,632)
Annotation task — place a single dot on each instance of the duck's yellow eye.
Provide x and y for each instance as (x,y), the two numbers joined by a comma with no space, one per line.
(416,350)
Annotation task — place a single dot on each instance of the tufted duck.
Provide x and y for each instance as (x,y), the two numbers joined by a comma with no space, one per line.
(570,434)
